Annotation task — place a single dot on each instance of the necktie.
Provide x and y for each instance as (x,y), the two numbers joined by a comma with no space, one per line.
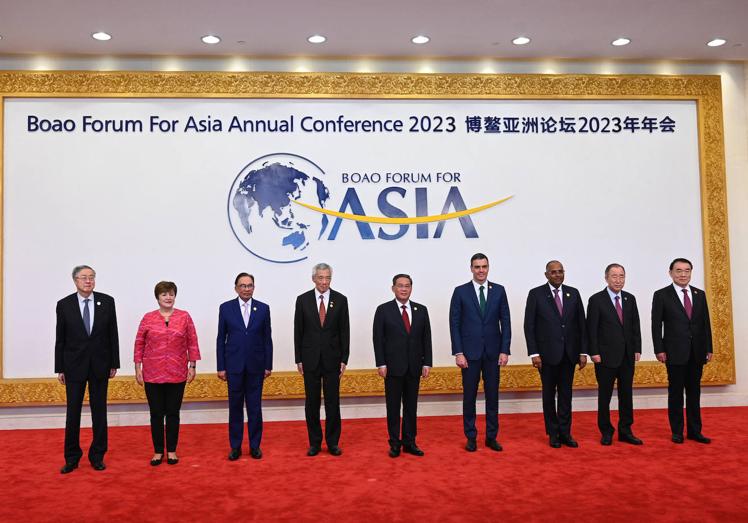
(87,316)
(687,303)
(245,313)
(482,300)
(557,298)
(406,319)
(619,310)
(322,311)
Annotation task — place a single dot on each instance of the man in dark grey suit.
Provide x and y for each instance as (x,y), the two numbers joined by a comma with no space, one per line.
(86,352)
(615,345)
(402,348)
(682,336)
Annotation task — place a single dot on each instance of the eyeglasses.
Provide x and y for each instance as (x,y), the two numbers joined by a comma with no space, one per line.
(682,271)
(85,278)
(245,286)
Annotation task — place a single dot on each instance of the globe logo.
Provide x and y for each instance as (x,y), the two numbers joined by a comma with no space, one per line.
(261,211)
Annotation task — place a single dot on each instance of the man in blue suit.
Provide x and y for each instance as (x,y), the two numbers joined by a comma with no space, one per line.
(244,352)
(480,329)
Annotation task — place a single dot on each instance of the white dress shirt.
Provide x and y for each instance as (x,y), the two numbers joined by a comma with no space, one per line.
(91,306)
(249,308)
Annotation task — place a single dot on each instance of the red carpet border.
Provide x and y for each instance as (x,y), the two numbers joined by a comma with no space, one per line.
(528,481)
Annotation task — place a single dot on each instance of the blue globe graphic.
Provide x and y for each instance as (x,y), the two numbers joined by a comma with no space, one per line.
(261,211)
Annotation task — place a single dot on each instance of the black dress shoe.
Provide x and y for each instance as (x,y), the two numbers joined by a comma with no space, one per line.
(335,450)
(155,462)
(700,438)
(394,451)
(234,454)
(568,441)
(554,442)
(471,446)
(630,438)
(98,465)
(493,445)
(172,461)
(677,438)
(412,448)
(606,440)
(255,453)
(313,451)
(67,468)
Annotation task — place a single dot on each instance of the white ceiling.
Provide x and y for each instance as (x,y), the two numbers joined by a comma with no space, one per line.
(573,29)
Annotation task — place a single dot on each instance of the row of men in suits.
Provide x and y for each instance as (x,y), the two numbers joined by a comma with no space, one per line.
(558,335)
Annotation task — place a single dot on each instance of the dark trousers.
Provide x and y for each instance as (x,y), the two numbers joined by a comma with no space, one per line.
(164,402)
(557,381)
(397,390)
(97,391)
(684,377)
(606,377)
(315,382)
(489,368)
(245,389)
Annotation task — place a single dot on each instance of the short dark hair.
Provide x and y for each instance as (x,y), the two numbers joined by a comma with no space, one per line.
(478,256)
(680,260)
(613,265)
(164,286)
(242,275)
(547,265)
(398,276)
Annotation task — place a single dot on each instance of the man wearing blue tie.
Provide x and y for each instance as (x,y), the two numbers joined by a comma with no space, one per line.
(244,353)
(480,331)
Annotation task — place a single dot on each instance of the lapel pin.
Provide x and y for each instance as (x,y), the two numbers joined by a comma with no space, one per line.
(490,286)
(694,293)
(332,305)
(98,303)
(415,308)
(254,308)
(625,298)
(568,295)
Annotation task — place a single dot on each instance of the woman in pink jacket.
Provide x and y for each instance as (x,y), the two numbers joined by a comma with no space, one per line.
(165,354)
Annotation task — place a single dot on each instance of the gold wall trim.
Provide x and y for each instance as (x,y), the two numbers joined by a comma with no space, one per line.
(705,91)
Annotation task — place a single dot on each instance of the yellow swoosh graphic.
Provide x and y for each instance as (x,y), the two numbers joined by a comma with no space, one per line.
(402,221)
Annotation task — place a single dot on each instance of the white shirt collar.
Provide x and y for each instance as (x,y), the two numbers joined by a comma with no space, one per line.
(679,289)
(81,299)
(326,295)
(242,302)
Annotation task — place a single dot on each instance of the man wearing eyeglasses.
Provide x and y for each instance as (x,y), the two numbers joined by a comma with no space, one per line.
(244,354)
(86,352)
(682,336)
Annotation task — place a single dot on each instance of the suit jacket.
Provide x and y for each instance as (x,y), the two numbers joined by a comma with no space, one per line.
(473,334)
(240,348)
(550,334)
(607,337)
(76,353)
(673,333)
(316,345)
(400,351)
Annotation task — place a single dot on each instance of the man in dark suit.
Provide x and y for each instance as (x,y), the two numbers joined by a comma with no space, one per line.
(86,351)
(322,346)
(556,342)
(615,345)
(244,353)
(481,332)
(682,336)
(402,349)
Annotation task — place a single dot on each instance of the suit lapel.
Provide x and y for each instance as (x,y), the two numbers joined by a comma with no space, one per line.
(552,301)
(678,303)
(75,308)
(398,316)
(474,297)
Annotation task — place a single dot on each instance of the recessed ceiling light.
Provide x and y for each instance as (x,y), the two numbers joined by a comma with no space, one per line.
(716,42)
(618,42)
(101,36)
(316,39)
(521,40)
(210,39)
(420,39)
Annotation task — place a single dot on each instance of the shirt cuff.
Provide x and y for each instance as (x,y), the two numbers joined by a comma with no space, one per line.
(534,355)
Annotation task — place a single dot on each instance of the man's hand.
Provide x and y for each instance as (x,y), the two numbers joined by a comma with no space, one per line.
(268,372)
(637,356)
(582,361)
(139,376)
(112,373)
(537,362)
(61,378)
(300,368)
(222,375)
(709,356)
(661,357)
(598,358)
(503,359)
(342,368)
(461,361)
(382,371)
(191,371)
(425,372)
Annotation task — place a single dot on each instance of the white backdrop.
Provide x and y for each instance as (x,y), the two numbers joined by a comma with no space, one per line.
(142,207)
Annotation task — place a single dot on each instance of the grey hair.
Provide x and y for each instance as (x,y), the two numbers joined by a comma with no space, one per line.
(79,268)
(321,267)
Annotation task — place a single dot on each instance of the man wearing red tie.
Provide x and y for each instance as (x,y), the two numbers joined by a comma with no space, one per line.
(321,346)
(682,336)
(402,348)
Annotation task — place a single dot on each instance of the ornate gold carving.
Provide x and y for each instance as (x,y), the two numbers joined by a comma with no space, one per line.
(704,90)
